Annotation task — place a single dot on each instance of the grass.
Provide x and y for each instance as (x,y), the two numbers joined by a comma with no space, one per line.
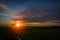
(33,33)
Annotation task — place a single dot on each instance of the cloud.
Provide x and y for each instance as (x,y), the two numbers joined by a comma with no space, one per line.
(13,15)
(6,9)
(41,15)
(33,13)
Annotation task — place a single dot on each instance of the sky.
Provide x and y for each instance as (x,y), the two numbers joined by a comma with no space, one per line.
(30,10)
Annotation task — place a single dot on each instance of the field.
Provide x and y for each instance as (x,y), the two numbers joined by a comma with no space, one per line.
(32,33)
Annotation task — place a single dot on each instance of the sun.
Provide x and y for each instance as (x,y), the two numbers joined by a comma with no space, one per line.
(18,24)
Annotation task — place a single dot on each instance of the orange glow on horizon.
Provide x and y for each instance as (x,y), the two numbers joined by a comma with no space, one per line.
(18,26)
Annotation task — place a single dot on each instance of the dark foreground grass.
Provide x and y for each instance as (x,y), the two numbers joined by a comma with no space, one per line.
(42,33)
(33,33)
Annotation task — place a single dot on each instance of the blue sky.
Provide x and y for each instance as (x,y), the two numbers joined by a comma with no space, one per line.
(34,10)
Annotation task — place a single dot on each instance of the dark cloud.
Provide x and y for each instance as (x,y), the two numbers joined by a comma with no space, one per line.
(37,10)
(42,15)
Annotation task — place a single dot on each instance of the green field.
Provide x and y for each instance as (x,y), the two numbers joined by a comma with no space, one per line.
(42,33)
(33,33)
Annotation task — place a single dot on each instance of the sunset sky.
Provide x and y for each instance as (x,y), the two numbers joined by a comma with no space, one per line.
(30,11)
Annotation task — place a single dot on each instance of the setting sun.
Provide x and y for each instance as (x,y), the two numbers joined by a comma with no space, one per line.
(17,24)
